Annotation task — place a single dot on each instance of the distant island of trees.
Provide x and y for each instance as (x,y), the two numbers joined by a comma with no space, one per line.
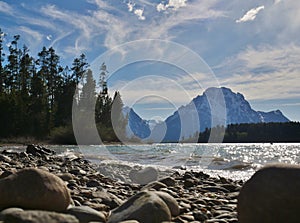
(288,132)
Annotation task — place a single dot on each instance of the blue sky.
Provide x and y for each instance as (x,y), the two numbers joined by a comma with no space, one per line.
(252,47)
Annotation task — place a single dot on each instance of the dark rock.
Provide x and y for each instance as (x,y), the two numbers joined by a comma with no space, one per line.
(5,158)
(215,189)
(145,207)
(169,181)
(93,183)
(6,174)
(189,183)
(143,176)
(86,214)
(38,150)
(65,176)
(271,195)
(34,189)
(39,217)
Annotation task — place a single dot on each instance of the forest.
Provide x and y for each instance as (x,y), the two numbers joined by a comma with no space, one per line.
(256,133)
(37,95)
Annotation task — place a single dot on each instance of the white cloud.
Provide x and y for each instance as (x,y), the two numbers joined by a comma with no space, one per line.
(161,7)
(176,4)
(172,4)
(250,15)
(6,8)
(49,37)
(33,33)
(276,1)
(130,6)
(264,73)
(139,13)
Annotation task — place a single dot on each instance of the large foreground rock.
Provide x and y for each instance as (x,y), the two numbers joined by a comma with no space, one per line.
(34,189)
(39,217)
(145,207)
(271,195)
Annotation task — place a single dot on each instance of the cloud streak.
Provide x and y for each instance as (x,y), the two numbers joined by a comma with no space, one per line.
(266,72)
(250,15)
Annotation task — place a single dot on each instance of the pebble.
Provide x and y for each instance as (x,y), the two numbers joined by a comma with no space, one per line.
(86,214)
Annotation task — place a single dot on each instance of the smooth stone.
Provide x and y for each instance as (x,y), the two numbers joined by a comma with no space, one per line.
(145,207)
(271,195)
(39,217)
(129,221)
(65,176)
(107,198)
(144,176)
(170,201)
(86,214)
(32,188)
(189,183)
(169,181)
(9,211)
(156,185)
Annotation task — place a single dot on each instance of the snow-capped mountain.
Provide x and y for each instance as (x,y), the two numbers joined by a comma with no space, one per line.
(216,106)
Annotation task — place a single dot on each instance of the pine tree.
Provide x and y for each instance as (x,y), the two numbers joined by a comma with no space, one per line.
(118,120)
(2,55)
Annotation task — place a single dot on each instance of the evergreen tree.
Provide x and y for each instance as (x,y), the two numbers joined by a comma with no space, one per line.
(13,80)
(2,55)
(118,120)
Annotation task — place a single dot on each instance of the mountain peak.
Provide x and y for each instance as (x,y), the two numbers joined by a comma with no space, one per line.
(195,117)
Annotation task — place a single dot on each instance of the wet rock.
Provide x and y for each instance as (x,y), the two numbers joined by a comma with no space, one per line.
(38,150)
(5,158)
(34,189)
(38,217)
(271,195)
(143,176)
(145,207)
(86,214)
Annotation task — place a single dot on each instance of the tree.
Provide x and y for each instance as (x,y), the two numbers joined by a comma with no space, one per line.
(119,122)
(13,80)
(2,55)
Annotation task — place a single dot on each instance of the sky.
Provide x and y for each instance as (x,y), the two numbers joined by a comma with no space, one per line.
(161,54)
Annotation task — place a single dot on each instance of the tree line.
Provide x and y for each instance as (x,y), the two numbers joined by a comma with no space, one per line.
(37,94)
(256,133)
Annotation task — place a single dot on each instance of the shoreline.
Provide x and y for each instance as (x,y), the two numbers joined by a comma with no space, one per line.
(200,197)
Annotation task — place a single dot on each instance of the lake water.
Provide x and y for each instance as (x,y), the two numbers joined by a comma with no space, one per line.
(235,161)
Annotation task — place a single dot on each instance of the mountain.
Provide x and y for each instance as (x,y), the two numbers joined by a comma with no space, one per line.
(273,116)
(216,106)
(136,127)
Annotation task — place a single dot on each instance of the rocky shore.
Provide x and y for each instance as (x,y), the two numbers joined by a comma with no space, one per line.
(39,186)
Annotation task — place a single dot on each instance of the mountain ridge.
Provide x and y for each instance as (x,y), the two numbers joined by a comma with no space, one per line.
(216,106)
